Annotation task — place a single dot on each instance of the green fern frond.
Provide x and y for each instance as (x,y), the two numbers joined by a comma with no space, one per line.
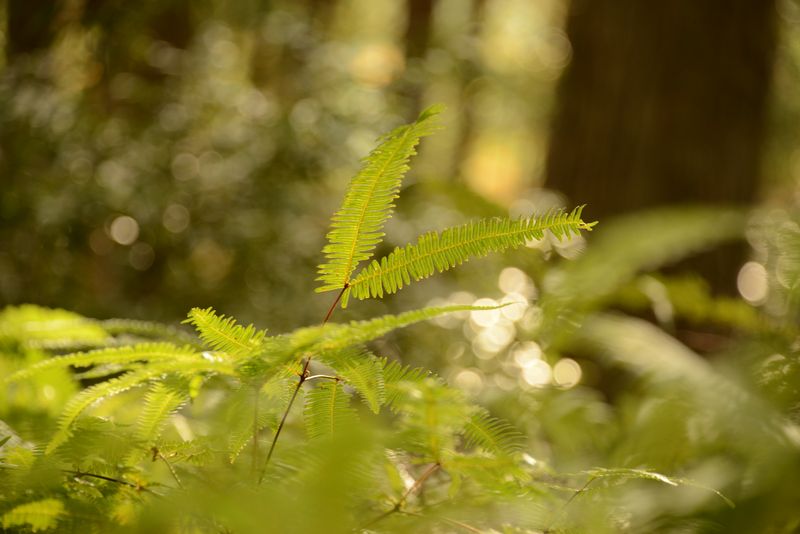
(358,225)
(240,420)
(36,326)
(491,434)
(161,401)
(223,334)
(395,374)
(37,515)
(328,411)
(644,474)
(362,370)
(149,329)
(115,386)
(442,251)
(332,337)
(143,352)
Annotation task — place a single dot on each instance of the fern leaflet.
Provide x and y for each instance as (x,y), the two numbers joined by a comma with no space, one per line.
(38,515)
(160,402)
(143,352)
(491,434)
(361,370)
(115,386)
(453,246)
(327,410)
(357,227)
(223,334)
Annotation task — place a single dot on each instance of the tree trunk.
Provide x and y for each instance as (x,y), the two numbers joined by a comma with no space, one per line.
(664,103)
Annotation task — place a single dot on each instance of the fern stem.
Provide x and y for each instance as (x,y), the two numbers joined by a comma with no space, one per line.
(255,431)
(81,474)
(303,377)
(326,377)
(335,302)
(157,455)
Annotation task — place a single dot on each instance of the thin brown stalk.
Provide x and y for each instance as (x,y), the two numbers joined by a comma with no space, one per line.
(303,377)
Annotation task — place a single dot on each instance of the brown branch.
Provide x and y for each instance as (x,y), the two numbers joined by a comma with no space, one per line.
(303,377)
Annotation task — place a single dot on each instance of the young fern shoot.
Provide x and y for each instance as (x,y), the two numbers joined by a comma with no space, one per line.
(357,228)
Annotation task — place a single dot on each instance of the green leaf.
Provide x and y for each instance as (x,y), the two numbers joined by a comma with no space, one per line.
(115,386)
(437,252)
(38,515)
(328,411)
(161,401)
(143,352)
(361,370)
(643,474)
(491,434)
(358,225)
(223,334)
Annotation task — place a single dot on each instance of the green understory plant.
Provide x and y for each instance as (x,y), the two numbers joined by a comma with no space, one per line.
(135,426)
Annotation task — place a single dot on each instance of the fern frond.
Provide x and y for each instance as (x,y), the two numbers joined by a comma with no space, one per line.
(223,334)
(357,227)
(442,251)
(644,474)
(37,515)
(361,370)
(149,329)
(115,386)
(327,410)
(161,401)
(143,352)
(332,336)
(37,326)
(395,374)
(491,434)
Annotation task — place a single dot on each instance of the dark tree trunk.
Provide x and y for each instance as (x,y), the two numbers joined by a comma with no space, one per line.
(664,103)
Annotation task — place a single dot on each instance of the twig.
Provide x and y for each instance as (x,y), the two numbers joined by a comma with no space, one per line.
(255,431)
(402,501)
(157,455)
(81,474)
(328,377)
(303,377)
(572,497)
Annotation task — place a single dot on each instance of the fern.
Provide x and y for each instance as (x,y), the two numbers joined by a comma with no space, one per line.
(159,403)
(143,352)
(115,386)
(442,251)
(491,434)
(327,410)
(361,370)
(37,515)
(395,374)
(223,334)
(357,227)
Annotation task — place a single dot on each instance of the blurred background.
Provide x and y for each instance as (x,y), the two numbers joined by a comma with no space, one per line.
(176,153)
(160,155)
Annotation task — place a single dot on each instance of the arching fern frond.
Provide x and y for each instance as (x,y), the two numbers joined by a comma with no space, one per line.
(358,226)
(360,369)
(491,434)
(150,330)
(86,398)
(143,352)
(327,410)
(223,334)
(442,251)
(333,336)
(161,401)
